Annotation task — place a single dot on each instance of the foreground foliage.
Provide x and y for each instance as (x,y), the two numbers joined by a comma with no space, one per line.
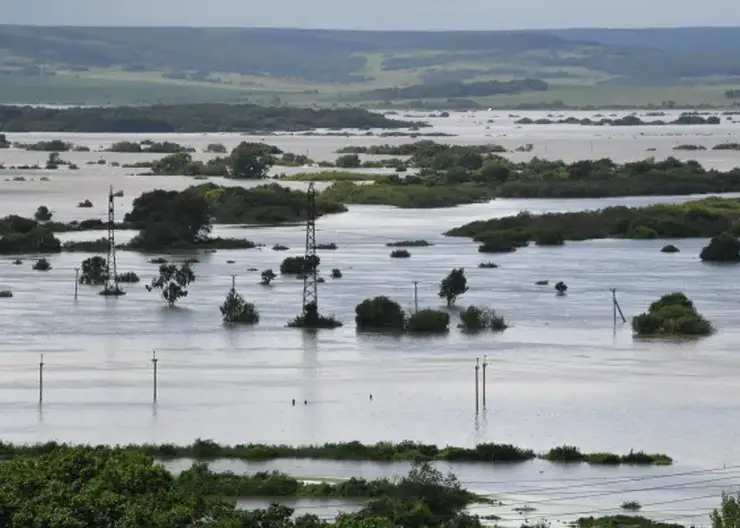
(672,315)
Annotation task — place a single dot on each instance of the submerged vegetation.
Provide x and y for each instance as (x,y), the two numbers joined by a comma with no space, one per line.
(451,175)
(188,118)
(673,315)
(708,217)
(204,450)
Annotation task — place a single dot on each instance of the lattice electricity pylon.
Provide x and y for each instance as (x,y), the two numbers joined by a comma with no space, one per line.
(310,279)
(111,282)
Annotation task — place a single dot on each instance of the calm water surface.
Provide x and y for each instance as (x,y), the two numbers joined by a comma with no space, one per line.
(562,374)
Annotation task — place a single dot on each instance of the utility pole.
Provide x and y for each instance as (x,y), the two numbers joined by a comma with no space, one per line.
(41,380)
(477,368)
(616,308)
(154,363)
(416,296)
(485,364)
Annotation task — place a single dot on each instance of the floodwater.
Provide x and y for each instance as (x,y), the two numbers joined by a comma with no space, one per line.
(562,374)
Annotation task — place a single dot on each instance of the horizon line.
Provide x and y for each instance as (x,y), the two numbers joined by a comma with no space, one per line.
(374,30)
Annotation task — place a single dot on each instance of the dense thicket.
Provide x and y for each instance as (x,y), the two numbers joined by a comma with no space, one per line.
(708,217)
(454,175)
(186,118)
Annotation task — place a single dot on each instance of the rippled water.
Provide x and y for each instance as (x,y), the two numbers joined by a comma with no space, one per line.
(560,374)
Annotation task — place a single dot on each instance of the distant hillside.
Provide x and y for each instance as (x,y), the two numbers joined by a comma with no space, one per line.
(382,56)
(696,39)
(129,65)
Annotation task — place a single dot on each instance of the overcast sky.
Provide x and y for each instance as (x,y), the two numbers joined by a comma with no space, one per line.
(376,14)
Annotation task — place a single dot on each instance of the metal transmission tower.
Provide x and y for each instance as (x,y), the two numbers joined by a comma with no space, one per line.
(111,282)
(310,280)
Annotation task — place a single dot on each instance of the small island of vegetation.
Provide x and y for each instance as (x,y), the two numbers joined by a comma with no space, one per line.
(181,118)
(450,175)
(708,217)
(673,315)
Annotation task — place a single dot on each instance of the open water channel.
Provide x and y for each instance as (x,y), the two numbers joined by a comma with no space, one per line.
(562,374)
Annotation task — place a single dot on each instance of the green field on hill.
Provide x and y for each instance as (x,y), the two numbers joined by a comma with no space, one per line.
(405,69)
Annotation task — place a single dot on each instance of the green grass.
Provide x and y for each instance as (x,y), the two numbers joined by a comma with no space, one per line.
(116,87)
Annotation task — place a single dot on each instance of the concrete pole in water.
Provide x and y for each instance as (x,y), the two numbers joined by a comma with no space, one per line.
(416,296)
(485,364)
(77,280)
(154,363)
(614,305)
(477,367)
(41,380)
(233,282)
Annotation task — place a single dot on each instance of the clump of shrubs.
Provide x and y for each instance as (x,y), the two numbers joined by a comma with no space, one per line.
(477,319)
(42,265)
(128,277)
(488,265)
(409,243)
(400,253)
(672,315)
(670,248)
(336,273)
(85,203)
(429,321)
(312,319)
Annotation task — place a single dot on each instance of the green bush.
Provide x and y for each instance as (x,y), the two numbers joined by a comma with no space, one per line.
(476,319)
(722,248)
(429,321)
(400,253)
(670,248)
(379,313)
(672,315)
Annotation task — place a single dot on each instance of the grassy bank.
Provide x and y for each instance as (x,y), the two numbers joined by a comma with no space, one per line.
(380,452)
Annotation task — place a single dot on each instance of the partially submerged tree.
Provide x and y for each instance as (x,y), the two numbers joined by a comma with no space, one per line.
(454,285)
(173,282)
(42,214)
(429,321)
(93,271)
(299,265)
(672,315)
(267,277)
(561,287)
(42,265)
(312,319)
(476,319)
(252,161)
(236,310)
(722,248)
(379,313)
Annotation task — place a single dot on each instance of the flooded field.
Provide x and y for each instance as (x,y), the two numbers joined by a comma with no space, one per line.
(562,374)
